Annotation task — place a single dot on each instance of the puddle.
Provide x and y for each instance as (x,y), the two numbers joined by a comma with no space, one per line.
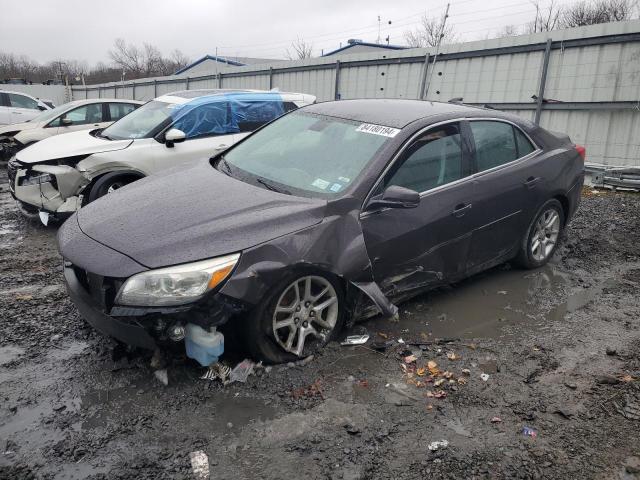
(9,354)
(480,306)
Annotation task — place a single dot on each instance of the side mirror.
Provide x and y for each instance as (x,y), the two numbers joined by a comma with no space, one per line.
(395,197)
(174,136)
(66,121)
(42,108)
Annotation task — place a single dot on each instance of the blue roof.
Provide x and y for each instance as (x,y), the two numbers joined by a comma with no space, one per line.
(210,57)
(366,44)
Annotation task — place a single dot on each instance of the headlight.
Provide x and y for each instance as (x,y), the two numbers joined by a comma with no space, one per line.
(44,178)
(176,285)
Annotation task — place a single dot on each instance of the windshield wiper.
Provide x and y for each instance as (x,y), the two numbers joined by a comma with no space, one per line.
(227,169)
(273,188)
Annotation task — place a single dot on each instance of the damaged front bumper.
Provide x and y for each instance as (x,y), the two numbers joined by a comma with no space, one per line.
(144,327)
(53,189)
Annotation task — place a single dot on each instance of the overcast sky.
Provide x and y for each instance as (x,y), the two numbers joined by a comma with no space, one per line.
(85,29)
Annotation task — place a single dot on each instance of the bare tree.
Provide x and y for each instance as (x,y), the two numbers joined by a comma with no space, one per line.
(547,18)
(508,31)
(598,11)
(429,33)
(145,61)
(300,50)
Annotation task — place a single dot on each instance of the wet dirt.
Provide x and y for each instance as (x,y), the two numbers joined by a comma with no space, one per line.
(560,346)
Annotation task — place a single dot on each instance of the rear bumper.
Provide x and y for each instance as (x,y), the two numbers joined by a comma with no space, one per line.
(129,333)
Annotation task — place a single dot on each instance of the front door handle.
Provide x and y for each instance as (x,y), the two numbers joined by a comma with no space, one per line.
(531,182)
(461,209)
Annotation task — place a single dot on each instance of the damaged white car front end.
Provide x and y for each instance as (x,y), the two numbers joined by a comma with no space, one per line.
(43,179)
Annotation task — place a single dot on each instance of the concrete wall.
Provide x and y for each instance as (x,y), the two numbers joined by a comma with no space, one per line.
(594,71)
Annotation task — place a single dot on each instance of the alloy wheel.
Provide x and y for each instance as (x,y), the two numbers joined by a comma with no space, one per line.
(306,313)
(115,186)
(545,235)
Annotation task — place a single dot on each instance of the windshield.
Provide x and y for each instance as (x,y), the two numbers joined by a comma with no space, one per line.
(144,122)
(304,154)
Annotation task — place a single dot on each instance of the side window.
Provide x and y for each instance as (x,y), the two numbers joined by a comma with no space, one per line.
(288,106)
(433,160)
(81,116)
(206,120)
(119,110)
(522,143)
(495,143)
(252,115)
(20,101)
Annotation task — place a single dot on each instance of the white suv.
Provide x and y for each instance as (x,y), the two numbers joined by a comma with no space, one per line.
(70,117)
(60,174)
(18,107)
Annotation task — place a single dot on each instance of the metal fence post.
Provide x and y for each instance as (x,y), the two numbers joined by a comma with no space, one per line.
(543,81)
(336,88)
(133,90)
(423,81)
(270,78)
(155,88)
(219,80)
(99,92)
(187,84)
(115,91)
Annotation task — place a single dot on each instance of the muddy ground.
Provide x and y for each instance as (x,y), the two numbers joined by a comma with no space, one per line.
(560,346)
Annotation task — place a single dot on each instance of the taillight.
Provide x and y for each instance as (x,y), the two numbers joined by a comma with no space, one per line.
(581,151)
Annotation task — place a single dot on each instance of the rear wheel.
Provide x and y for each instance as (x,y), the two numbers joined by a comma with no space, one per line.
(541,240)
(109,183)
(301,315)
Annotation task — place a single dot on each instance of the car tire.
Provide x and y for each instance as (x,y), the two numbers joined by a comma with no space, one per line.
(108,183)
(267,341)
(543,235)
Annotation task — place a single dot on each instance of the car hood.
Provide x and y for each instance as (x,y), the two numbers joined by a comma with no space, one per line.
(18,127)
(191,213)
(69,145)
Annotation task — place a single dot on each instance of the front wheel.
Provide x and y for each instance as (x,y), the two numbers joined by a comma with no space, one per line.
(541,240)
(109,183)
(301,315)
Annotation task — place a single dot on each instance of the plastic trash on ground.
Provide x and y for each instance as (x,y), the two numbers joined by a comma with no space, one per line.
(529,432)
(433,446)
(203,346)
(199,465)
(241,372)
(356,340)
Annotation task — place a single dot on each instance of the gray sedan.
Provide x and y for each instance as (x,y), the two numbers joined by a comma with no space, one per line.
(332,211)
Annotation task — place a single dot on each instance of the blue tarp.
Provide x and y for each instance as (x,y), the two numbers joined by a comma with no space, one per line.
(227,113)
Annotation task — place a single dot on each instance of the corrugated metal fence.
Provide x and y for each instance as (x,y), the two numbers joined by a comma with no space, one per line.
(593,72)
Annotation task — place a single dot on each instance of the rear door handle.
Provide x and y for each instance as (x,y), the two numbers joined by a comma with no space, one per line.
(531,182)
(221,147)
(461,209)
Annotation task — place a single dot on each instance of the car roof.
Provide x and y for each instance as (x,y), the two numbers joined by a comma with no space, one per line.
(396,113)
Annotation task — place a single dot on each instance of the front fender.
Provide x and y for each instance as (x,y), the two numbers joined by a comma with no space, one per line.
(70,181)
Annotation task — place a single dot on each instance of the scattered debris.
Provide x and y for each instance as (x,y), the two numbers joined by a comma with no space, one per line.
(529,432)
(452,356)
(496,420)
(631,408)
(607,380)
(410,359)
(611,351)
(626,378)
(570,385)
(162,376)
(356,339)
(241,372)
(199,465)
(304,361)
(310,391)
(466,371)
(433,446)
(400,340)
(501,292)
(484,377)
(217,371)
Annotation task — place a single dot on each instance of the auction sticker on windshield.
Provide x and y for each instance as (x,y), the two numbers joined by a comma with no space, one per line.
(378,130)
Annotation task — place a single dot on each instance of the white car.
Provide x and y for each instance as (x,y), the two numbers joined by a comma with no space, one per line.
(60,174)
(16,107)
(70,117)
